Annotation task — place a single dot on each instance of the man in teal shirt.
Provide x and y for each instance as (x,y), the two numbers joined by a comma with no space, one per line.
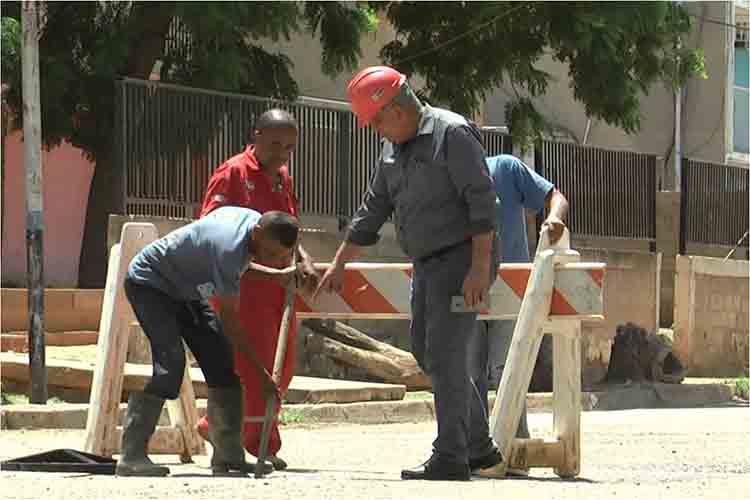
(168,285)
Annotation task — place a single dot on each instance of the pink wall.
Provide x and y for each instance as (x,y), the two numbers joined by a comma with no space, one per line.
(66,178)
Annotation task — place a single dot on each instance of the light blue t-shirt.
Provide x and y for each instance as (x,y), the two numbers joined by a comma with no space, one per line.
(517,187)
(204,258)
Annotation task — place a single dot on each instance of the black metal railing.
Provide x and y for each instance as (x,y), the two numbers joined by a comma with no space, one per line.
(612,194)
(171,138)
(715,203)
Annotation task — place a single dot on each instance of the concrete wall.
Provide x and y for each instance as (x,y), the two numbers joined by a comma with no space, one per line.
(711,316)
(631,288)
(66,177)
(703,113)
(64,309)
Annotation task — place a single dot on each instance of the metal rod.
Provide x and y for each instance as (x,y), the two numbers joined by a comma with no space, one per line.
(278,368)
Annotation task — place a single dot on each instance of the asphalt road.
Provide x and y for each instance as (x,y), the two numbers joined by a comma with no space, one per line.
(636,454)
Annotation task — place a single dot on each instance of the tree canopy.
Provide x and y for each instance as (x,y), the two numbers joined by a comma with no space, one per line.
(615,52)
(85,46)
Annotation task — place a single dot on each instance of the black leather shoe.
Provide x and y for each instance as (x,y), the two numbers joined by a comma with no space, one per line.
(436,469)
(491,459)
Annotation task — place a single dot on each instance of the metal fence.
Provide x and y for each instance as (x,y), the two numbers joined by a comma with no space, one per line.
(611,193)
(171,138)
(715,203)
(496,142)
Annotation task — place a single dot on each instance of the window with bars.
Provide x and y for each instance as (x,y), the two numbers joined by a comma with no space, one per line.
(741,34)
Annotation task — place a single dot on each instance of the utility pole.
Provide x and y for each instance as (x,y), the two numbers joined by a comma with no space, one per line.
(677,118)
(32,140)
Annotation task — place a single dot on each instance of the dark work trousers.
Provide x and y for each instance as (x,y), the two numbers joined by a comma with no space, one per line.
(440,341)
(487,357)
(167,322)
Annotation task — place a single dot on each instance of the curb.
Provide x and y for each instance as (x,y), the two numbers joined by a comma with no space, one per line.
(19,341)
(635,396)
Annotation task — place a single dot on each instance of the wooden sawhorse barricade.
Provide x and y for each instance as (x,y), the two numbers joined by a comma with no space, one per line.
(102,433)
(551,296)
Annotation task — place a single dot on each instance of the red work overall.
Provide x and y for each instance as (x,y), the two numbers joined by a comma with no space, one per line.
(241,182)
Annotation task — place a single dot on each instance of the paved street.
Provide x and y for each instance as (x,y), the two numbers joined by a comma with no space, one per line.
(639,454)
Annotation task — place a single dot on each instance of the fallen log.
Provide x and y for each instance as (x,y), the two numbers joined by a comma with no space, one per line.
(348,345)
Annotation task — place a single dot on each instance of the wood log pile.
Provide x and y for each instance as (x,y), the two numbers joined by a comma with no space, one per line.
(349,346)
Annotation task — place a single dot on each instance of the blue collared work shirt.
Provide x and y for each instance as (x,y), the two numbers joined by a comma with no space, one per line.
(517,187)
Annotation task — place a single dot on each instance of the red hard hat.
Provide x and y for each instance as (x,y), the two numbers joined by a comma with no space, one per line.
(371,89)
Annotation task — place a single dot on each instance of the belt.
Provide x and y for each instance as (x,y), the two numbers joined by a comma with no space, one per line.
(443,251)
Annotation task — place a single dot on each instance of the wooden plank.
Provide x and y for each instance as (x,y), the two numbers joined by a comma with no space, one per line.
(566,384)
(524,348)
(183,415)
(112,345)
(527,453)
(165,440)
(102,413)
(566,398)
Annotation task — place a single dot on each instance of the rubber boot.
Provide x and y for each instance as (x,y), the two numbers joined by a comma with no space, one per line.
(140,421)
(225,433)
(202,429)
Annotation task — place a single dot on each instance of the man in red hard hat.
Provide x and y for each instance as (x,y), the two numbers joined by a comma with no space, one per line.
(258,178)
(432,177)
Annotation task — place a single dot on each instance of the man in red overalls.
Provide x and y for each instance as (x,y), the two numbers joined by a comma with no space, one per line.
(258,178)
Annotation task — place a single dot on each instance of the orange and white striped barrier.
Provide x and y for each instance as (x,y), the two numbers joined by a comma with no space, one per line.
(381,291)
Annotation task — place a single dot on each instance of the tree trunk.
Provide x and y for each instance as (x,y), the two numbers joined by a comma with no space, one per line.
(104,199)
(350,346)
(5,121)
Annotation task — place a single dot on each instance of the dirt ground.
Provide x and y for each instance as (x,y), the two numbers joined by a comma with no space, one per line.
(638,454)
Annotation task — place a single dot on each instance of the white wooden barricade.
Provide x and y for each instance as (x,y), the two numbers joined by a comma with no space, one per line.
(564,453)
(103,435)
(551,296)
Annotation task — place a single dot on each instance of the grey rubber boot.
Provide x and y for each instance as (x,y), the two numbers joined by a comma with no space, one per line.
(225,432)
(140,421)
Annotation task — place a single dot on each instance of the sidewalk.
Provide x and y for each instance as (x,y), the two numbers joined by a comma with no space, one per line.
(633,396)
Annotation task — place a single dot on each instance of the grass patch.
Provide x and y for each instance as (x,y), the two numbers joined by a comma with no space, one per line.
(10,398)
(417,395)
(741,387)
(291,416)
(427,395)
